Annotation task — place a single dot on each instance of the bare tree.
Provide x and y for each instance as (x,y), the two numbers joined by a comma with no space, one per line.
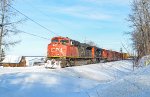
(140,19)
(91,43)
(8,24)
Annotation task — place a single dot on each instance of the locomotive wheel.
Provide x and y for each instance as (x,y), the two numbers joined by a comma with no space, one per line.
(72,63)
(63,64)
(68,63)
(88,61)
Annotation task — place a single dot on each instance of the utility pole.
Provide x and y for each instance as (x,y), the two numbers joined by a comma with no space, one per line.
(121,54)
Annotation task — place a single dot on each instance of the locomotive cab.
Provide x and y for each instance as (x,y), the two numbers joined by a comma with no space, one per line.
(60,40)
(61,47)
(58,47)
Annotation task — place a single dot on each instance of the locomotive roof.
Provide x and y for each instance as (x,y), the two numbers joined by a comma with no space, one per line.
(61,37)
(77,42)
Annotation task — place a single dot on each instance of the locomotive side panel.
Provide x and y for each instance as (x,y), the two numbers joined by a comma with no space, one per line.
(72,52)
(85,51)
(109,55)
(104,54)
(93,52)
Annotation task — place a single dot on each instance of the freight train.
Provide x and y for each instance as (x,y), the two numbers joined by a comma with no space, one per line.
(64,52)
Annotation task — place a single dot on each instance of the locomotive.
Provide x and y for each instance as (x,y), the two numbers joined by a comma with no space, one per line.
(64,52)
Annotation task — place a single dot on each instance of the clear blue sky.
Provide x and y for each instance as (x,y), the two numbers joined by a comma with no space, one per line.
(101,21)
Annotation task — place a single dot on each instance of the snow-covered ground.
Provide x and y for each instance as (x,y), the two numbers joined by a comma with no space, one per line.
(112,79)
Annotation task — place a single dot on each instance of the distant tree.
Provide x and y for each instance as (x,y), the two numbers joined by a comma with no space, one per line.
(140,20)
(8,24)
(91,43)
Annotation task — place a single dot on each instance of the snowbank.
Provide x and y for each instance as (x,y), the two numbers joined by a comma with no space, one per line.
(113,79)
(144,61)
(134,85)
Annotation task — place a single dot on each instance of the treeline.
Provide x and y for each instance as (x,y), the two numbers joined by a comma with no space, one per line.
(140,24)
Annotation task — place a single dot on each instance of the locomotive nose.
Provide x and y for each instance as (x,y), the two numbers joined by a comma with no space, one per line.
(56,51)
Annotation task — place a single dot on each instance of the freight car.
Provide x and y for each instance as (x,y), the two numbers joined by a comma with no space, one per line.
(63,52)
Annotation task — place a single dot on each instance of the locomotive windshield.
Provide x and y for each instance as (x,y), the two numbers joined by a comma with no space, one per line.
(64,41)
(55,40)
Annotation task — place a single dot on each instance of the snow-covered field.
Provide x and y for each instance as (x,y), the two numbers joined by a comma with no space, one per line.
(112,79)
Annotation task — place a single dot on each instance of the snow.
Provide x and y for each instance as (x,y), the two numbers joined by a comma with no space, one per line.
(12,59)
(136,84)
(112,79)
(33,61)
(144,60)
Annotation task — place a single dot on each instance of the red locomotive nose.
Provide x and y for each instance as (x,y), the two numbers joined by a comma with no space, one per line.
(56,50)
(62,47)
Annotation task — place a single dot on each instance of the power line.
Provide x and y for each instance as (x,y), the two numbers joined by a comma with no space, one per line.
(35,35)
(33,20)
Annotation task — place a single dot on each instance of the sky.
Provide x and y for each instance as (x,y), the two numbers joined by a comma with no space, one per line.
(101,21)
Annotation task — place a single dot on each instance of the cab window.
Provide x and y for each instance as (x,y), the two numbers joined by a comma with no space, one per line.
(55,40)
(64,41)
